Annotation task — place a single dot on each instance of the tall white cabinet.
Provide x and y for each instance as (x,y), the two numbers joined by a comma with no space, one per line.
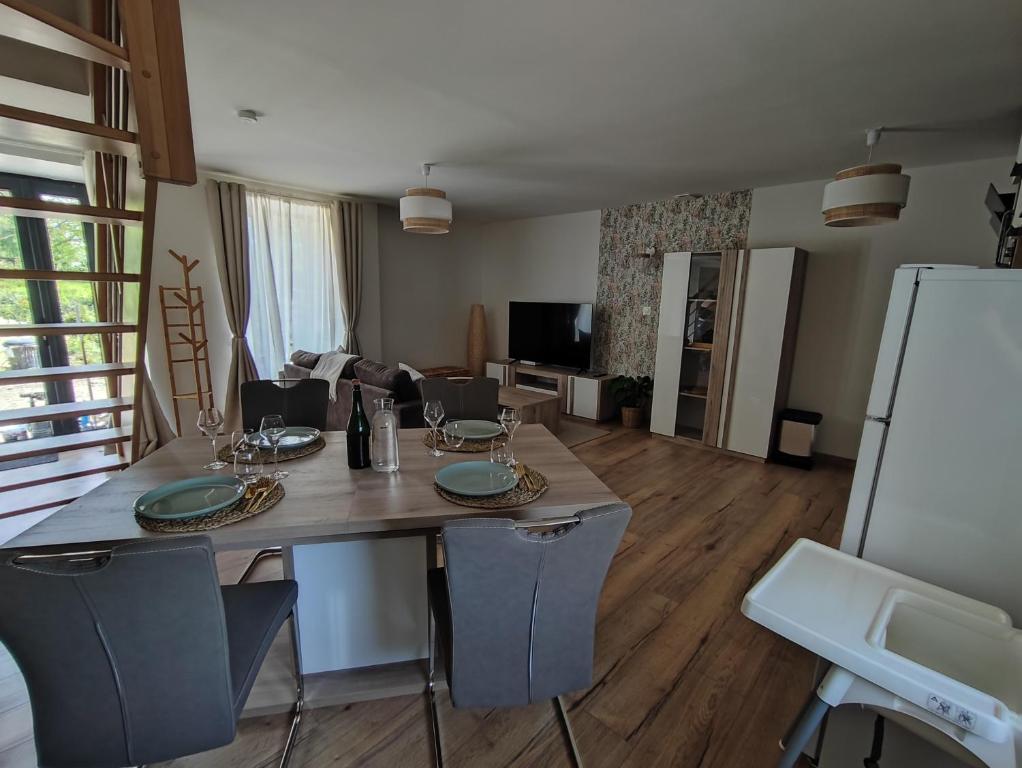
(725,345)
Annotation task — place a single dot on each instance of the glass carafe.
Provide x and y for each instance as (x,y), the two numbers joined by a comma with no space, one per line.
(383,438)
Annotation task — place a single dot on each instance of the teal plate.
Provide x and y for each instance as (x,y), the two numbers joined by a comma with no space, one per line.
(294,437)
(475,429)
(476,478)
(194,497)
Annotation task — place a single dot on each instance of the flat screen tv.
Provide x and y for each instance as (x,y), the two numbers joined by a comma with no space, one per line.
(551,333)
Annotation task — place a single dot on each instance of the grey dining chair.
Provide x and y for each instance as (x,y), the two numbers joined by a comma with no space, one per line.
(302,403)
(513,610)
(474,398)
(136,654)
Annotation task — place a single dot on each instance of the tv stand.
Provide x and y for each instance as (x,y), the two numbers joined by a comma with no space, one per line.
(582,394)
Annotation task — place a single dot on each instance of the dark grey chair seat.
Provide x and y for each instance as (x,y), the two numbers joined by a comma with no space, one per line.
(471,399)
(136,654)
(513,612)
(254,614)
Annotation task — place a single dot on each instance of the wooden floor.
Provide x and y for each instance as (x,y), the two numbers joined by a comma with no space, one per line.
(682,679)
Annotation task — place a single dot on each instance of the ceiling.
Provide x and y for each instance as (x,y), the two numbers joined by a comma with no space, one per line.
(537,107)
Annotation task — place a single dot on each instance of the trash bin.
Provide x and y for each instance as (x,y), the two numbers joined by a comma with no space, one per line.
(795,432)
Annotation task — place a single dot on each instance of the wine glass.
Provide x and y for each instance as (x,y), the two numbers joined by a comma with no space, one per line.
(209,422)
(452,435)
(433,412)
(272,428)
(510,418)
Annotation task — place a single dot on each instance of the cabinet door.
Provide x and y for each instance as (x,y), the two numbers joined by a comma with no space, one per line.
(497,371)
(670,342)
(585,397)
(766,314)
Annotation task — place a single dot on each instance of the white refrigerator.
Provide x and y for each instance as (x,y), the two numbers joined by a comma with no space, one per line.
(937,490)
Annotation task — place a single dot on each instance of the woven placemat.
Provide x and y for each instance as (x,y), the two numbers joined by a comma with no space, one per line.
(286,454)
(242,509)
(469,446)
(518,496)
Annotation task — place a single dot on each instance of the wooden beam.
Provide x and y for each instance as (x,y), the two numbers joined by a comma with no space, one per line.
(67,467)
(41,209)
(146,270)
(56,274)
(23,449)
(25,21)
(64,410)
(152,29)
(63,329)
(35,127)
(65,373)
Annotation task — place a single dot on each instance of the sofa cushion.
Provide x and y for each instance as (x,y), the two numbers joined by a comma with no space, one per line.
(391,379)
(305,359)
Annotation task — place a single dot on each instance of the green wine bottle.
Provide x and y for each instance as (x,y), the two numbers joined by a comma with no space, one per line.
(358,430)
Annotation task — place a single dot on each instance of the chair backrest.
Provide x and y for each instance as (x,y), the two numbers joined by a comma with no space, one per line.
(125,654)
(302,404)
(523,605)
(474,398)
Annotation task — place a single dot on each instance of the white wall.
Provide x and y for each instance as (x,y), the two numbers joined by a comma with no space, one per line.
(849,277)
(552,258)
(426,291)
(182,224)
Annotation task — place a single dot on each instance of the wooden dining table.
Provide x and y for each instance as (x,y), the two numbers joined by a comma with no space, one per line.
(357,541)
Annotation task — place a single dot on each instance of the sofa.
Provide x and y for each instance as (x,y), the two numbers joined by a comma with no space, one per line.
(377,380)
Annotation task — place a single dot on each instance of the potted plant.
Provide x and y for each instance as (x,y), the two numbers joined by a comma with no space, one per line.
(632,393)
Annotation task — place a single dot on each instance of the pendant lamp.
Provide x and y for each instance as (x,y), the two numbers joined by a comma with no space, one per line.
(866,194)
(425,210)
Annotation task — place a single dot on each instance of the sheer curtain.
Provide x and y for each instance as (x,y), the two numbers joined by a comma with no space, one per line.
(296,287)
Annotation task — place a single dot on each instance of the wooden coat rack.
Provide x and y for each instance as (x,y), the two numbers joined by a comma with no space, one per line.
(190,302)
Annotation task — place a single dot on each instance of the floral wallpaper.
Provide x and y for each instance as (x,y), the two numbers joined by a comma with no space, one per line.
(625,338)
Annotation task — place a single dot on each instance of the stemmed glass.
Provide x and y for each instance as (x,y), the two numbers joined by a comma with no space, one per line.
(510,418)
(273,428)
(433,412)
(209,423)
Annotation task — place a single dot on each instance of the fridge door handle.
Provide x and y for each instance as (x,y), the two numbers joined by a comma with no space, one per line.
(879,419)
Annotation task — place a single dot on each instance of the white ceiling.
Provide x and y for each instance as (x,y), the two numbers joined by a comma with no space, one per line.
(532,107)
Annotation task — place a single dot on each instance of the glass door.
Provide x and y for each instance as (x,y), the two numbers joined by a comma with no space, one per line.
(700,321)
(46,244)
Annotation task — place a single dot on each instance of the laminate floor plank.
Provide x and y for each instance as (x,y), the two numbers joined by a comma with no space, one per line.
(681,678)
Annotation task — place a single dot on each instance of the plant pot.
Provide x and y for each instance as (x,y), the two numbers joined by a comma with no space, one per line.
(631,416)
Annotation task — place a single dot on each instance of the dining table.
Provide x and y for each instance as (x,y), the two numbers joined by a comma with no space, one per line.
(357,541)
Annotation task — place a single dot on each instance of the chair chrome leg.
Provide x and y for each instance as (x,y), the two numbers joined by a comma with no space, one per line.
(438,755)
(260,555)
(576,756)
(296,719)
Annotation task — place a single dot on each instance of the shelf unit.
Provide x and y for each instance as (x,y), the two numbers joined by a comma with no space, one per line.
(725,345)
(695,318)
(582,395)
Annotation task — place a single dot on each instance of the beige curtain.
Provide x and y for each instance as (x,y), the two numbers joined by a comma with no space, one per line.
(348,232)
(154,429)
(228,215)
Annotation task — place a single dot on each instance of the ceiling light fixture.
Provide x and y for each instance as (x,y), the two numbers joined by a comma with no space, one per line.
(866,194)
(248,115)
(426,211)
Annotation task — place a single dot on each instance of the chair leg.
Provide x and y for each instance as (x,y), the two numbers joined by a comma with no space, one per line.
(260,555)
(809,719)
(438,755)
(576,756)
(296,719)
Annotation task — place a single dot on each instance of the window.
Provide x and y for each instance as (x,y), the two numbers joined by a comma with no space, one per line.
(50,244)
(295,281)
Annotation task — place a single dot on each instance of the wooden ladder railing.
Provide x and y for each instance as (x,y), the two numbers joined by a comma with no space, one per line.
(137,59)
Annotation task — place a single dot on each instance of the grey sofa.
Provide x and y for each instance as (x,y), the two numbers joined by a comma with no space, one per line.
(377,381)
